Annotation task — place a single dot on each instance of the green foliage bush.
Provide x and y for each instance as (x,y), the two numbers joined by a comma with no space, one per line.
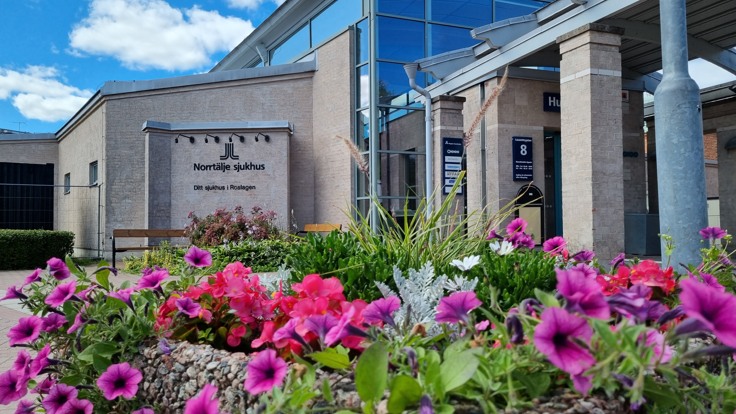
(225,226)
(164,256)
(514,276)
(260,256)
(28,249)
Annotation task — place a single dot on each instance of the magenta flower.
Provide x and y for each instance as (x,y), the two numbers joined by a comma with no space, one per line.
(456,307)
(26,331)
(556,337)
(75,406)
(589,271)
(582,383)
(13,386)
(655,340)
(425,405)
(61,294)
(618,260)
(197,257)
(152,280)
(41,361)
(146,410)
(44,387)
(522,239)
(583,294)
(382,310)
(58,396)
(124,296)
(344,327)
(709,280)
(25,407)
(52,322)
(634,303)
(320,324)
(22,361)
(204,402)
(517,225)
(33,277)
(188,307)
(14,293)
(712,233)
(288,332)
(583,256)
(713,308)
(555,245)
(78,322)
(265,371)
(58,269)
(119,380)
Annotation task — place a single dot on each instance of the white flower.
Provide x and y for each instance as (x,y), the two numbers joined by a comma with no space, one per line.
(467,263)
(503,248)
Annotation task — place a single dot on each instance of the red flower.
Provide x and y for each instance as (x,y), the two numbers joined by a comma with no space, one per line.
(649,273)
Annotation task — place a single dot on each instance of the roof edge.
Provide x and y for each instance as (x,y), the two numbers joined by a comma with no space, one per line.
(152,125)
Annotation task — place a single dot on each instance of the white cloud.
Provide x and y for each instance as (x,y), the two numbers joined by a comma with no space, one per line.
(150,34)
(38,93)
(707,74)
(251,4)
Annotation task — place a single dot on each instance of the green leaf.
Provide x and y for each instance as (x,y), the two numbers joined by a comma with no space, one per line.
(371,373)
(405,392)
(100,363)
(103,277)
(547,299)
(331,358)
(665,398)
(104,349)
(536,384)
(74,268)
(327,391)
(455,348)
(458,369)
(603,329)
(73,380)
(432,375)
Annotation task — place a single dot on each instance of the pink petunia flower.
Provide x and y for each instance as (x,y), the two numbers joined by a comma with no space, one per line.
(203,403)
(320,324)
(146,410)
(25,407)
(58,269)
(197,257)
(554,246)
(188,307)
(713,308)
(381,311)
(78,322)
(152,280)
(119,380)
(655,340)
(75,406)
(123,295)
(26,331)
(713,233)
(52,322)
(45,386)
(556,337)
(14,293)
(13,386)
(583,294)
(456,307)
(59,395)
(40,362)
(61,294)
(264,372)
(33,277)
(517,225)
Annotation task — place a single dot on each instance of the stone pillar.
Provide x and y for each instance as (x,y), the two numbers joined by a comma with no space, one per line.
(447,122)
(727,179)
(592,140)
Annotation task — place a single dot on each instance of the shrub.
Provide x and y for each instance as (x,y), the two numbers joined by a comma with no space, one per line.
(27,249)
(261,256)
(232,226)
(164,256)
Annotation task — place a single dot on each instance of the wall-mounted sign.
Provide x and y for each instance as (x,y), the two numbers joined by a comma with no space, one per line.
(522,158)
(452,163)
(551,102)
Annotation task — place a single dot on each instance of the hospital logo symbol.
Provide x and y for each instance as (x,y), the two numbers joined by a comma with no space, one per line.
(229,152)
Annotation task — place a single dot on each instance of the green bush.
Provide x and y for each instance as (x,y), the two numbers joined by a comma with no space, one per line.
(514,276)
(225,226)
(165,256)
(260,256)
(28,249)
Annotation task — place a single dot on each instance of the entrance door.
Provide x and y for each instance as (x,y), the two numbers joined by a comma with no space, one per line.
(552,185)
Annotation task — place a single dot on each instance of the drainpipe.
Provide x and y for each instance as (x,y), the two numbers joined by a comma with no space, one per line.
(679,125)
(411,73)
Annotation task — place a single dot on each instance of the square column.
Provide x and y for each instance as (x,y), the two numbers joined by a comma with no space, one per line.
(592,140)
(727,178)
(447,122)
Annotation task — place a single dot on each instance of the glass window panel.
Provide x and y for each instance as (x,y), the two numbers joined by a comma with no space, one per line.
(401,129)
(472,13)
(402,182)
(446,38)
(400,39)
(506,9)
(297,44)
(334,19)
(393,84)
(407,8)
(362,35)
(363,88)
(67,183)
(364,119)
(93,173)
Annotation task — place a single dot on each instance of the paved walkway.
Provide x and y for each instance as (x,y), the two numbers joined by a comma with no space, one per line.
(11,311)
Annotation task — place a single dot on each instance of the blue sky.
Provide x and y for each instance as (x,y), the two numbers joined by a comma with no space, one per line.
(54,54)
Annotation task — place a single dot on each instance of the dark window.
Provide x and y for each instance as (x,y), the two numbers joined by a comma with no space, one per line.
(446,38)
(393,84)
(471,13)
(334,19)
(406,8)
(294,46)
(93,173)
(363,46)
(67,183)
(399,39)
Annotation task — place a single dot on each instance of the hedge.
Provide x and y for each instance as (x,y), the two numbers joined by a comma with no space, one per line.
(28,249)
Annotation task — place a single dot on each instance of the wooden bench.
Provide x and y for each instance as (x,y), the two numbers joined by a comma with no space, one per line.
(126,233)
(320,228)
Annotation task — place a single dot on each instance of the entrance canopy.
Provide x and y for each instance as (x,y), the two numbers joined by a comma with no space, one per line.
(531,41)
